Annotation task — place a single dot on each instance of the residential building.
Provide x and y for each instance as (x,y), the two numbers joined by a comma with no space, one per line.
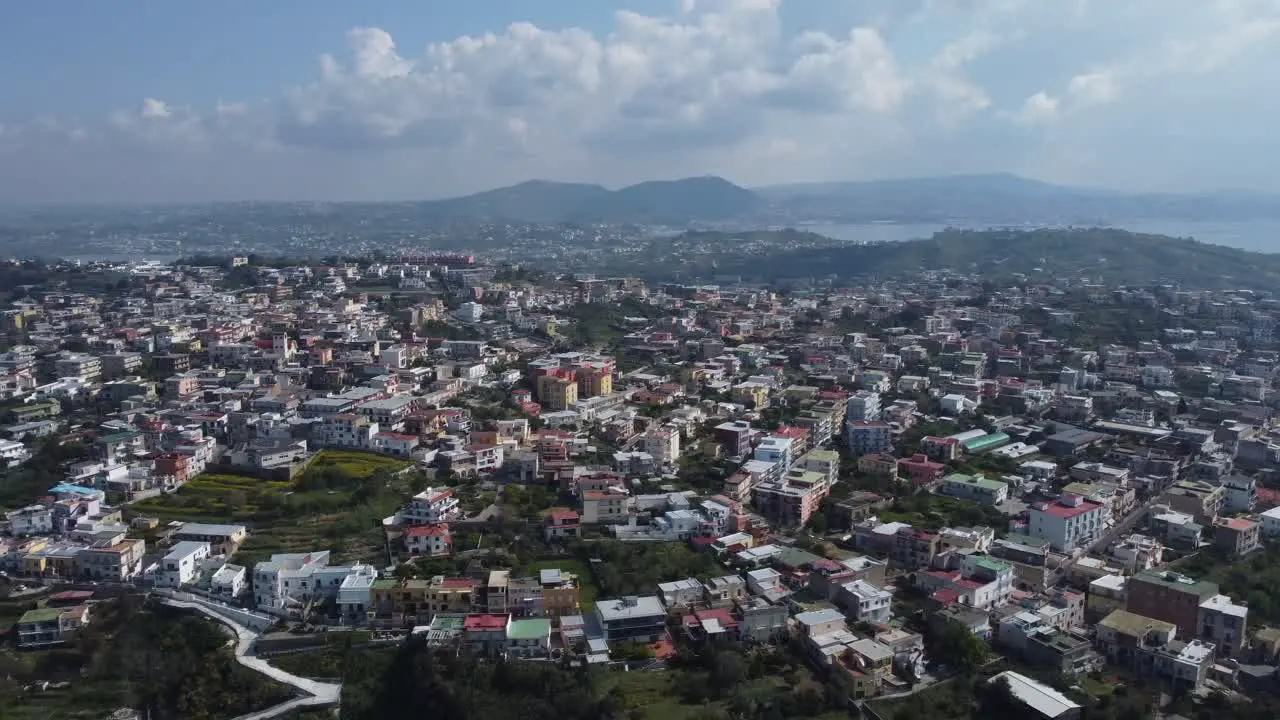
(1224,623)
(1069,523)
(1147,646)
(1237,536)
(974,487)
(865,602)
(606,507)
(792,499)
(118,559)
(292,580)
(181,565)
(1240,493)
(632,619)
(1169,596)
(432,506)
(1201,500)
(863,438)
(430,540)
(663,443)
(44,627)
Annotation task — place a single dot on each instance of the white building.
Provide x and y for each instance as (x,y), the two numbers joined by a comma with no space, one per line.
(469,312)
(863,406)
(1271,522)
(181,565)
(1068,523)
(229,581)
(663,443)
(865,602)
(775,451)
(291,580)
(30,520)
(429,507)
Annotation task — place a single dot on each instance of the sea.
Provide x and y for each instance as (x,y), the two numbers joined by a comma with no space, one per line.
(1254,235)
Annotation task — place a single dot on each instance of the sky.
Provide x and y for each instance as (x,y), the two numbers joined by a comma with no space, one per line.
(416,99)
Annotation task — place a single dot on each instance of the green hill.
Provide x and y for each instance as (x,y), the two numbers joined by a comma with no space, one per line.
(1110,255)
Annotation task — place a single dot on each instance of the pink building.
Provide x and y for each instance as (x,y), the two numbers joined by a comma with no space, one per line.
(920,469)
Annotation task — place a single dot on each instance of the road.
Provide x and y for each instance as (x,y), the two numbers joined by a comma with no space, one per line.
(315,694)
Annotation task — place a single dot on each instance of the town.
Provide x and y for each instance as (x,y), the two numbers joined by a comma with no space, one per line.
(1062,488)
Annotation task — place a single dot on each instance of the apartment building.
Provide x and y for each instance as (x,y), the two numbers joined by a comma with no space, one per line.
(1169,596)
(1069,523)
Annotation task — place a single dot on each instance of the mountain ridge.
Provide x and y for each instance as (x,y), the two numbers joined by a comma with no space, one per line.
(682,201)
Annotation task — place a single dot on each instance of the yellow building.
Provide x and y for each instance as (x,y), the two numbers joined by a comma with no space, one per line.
(754,395)
(594,381)
(557,391)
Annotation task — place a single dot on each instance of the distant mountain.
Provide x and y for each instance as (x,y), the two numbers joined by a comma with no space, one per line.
(1115,256)
(999,199)
(676,202)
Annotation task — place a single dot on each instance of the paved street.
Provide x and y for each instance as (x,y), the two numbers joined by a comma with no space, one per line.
(317,694)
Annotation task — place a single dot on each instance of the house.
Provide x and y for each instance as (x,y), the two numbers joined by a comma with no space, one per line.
(228,581)
(291,580)
(974,487)
(680,593)
(632,619)
(609,506)
(1237,536)
(430,507)
(528,637)
(865,602)
(921,470)
(222,539)
(562,525)
(181,565)
(820,622)
(50,626)
(486,634)
(1147,646)
(430,540)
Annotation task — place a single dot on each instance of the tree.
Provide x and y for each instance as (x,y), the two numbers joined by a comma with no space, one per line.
(958,648)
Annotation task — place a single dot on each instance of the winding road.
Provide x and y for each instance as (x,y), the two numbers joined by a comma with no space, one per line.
(316,694)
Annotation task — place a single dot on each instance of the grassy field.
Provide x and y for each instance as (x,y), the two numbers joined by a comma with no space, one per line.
(331,505)
(588,591)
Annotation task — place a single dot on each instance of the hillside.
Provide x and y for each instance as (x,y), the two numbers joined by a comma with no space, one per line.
(676,202)
(1116,256)
(1002,199)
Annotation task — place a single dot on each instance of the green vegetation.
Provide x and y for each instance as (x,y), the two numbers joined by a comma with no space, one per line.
(597,324)
(934,512)
(708,682)
(330,662)
(20,486)
(1111,255)
(635,568)
(337,503)
(1254,579)
(166,662)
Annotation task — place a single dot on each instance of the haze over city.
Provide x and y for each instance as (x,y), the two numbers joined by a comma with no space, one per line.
(328,100)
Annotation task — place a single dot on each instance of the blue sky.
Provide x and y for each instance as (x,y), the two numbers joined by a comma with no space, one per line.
(321,99)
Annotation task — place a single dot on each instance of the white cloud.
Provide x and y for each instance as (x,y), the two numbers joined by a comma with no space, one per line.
(719,86)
